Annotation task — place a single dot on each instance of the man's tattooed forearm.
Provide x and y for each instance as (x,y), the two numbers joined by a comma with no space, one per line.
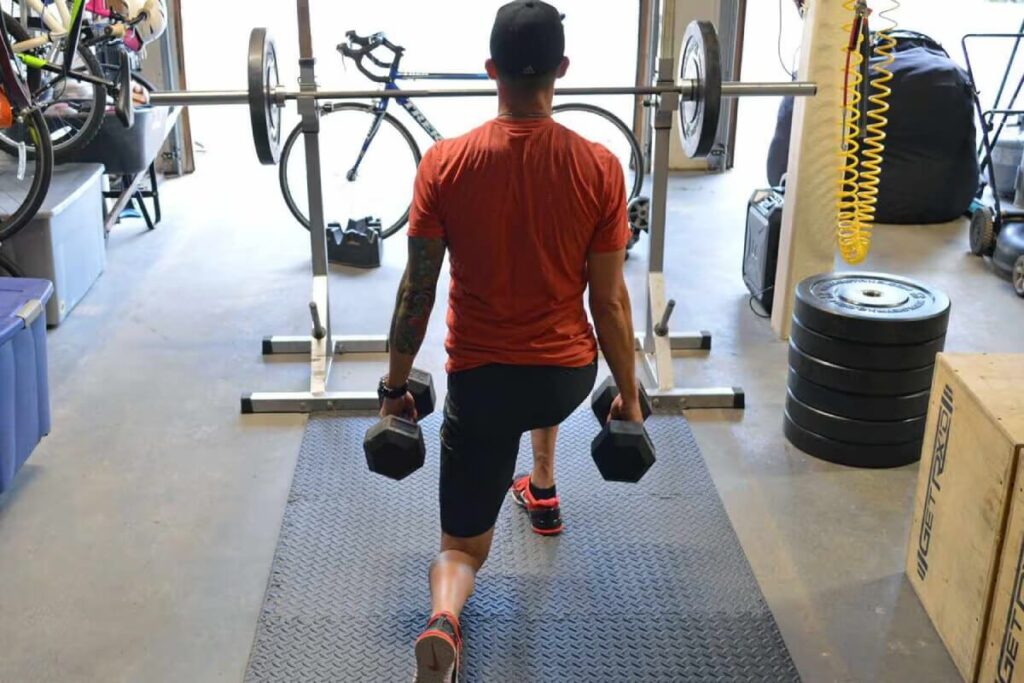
(416,294)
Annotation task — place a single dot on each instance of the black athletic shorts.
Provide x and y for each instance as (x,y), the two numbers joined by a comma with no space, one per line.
(487,411)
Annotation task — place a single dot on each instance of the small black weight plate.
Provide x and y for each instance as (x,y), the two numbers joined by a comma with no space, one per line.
(856,406)
(855,381)
(264,111)
(866,356)
(854,431)
(871,307)
(853,455)
(701,62)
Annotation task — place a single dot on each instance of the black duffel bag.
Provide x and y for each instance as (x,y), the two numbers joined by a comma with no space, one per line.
(930,167)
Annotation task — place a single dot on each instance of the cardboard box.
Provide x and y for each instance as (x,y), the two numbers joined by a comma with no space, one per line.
(969,462)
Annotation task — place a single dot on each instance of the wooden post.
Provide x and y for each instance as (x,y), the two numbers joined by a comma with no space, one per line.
(807,245)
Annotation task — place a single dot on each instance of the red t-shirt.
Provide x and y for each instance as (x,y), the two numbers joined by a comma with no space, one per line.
(520,203)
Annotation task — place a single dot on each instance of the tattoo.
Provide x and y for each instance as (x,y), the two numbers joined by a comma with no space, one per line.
(416,294)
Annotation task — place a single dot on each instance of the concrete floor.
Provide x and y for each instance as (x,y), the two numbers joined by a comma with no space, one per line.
(138,539)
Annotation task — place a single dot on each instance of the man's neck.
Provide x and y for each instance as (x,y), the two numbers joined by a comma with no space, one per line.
(536,106)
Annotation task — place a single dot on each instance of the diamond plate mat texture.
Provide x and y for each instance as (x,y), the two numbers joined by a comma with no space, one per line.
(647,583)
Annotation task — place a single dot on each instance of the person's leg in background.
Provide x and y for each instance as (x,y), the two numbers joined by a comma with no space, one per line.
(543,475)
(535,491)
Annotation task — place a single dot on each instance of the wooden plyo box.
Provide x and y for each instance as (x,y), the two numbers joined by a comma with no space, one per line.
(965,491)
(1002,657)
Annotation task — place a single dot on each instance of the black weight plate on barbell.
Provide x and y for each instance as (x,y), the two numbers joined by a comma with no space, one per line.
(701,61)
(264,111)
(857,406)
(871,307)
(866,356)
(854,431)
(853,455)
(855,381)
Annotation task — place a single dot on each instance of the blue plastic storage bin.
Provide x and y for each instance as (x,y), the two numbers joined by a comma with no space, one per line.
(24,388)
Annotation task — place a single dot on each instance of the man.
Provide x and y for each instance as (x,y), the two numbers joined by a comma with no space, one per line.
(531,215)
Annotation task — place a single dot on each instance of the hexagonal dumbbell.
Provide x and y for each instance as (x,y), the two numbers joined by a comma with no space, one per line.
(394,446)
(421,386)
(622,451)
(602,398)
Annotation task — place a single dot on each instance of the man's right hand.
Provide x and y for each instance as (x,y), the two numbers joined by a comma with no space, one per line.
(404,406)
(627,411)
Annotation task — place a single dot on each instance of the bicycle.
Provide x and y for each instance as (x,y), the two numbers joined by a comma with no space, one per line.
(25,173)
(63,73)
(382,173)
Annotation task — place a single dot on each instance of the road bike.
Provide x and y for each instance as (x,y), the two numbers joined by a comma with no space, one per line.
(369,157)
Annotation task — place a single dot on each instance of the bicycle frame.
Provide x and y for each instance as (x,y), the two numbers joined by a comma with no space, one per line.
(380,107)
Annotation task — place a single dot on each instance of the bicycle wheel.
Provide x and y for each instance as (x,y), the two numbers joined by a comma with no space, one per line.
(73,109)
(382,188)
(24,174)
(602,126)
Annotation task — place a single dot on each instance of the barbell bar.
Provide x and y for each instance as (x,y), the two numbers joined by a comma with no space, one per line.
(699,87)
(281,95)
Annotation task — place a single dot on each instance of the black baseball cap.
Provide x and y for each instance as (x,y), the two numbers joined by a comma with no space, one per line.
(527,39)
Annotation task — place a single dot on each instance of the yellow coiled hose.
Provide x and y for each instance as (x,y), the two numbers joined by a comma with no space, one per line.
(848,229)
(862,160)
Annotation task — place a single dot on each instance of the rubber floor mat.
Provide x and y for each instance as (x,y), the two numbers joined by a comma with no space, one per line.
(648,582)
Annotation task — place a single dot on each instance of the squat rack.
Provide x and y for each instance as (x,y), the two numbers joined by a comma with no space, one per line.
(655,342)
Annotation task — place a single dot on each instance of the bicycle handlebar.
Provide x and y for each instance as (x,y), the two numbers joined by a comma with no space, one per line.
(360,47)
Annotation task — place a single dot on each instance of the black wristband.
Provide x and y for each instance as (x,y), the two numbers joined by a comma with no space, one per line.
(384,391)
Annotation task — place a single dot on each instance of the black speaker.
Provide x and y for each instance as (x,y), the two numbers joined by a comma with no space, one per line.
(761,244)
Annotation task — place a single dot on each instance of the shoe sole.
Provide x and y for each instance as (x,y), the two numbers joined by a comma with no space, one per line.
(541,532)
(435,659)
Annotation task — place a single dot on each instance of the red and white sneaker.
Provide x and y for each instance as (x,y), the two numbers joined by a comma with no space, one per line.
(545,515)
(439,650)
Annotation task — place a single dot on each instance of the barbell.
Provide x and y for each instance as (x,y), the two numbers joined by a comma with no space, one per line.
(699,86)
